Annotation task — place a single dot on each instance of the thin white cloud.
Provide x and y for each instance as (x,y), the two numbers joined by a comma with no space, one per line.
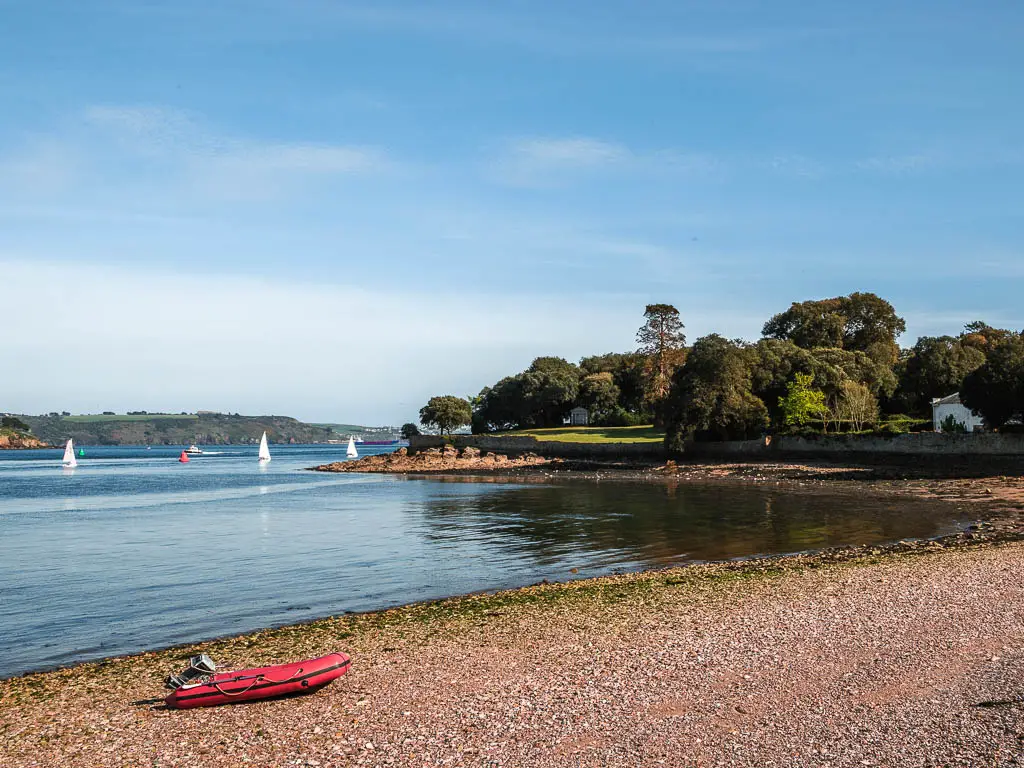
(152,127)
(265,171)
(577,152)
(160,128)
(137,151)
(943,155)
(550,161)
(899,165)
(547,161)
(792,164)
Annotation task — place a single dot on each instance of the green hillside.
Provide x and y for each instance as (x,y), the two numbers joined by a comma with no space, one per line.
(174,429)
(89,418)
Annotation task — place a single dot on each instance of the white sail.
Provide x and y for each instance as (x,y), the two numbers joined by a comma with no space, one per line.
(69,455)
(264,449)
(351,452)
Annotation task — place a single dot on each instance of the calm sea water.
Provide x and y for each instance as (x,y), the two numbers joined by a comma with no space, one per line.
(133,550)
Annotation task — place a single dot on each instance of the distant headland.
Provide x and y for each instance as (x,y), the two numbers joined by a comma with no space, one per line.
(142,428)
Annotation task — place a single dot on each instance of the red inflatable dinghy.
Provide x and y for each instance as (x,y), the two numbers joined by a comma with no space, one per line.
(263,683)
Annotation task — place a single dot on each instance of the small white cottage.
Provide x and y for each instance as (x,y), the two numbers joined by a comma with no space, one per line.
(943,407)
(579,417)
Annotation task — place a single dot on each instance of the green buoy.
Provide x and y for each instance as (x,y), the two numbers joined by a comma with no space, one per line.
(81,451)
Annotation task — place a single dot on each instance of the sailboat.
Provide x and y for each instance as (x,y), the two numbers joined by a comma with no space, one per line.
(351,452)
(69,460)
(264,449)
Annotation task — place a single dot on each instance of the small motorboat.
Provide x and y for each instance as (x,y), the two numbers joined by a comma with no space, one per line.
(194,450)
(202,686)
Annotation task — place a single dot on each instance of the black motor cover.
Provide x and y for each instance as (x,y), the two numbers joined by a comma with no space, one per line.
(198,667)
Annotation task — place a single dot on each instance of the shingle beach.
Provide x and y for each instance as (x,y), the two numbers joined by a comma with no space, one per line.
(889,659)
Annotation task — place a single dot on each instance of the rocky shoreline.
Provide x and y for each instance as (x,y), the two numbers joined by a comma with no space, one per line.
(14,440)
(436,460)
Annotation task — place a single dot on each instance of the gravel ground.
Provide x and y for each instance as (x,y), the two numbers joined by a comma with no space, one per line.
(883,661)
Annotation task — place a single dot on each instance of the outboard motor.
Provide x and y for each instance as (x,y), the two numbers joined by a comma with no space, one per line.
(198,667)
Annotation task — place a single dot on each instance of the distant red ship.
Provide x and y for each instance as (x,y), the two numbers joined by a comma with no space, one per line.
(380,442)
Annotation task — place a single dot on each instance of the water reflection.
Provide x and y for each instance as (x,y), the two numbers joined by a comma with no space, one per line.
(657,524)
(132,552)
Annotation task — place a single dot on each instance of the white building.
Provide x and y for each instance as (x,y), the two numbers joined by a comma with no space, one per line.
(942,407)
(578,417)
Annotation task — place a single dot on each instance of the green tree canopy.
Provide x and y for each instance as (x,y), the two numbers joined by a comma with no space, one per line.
(540,396)
(599,395)
(834,366)
(629,372)
(936,367)
(860,322)
(606,363)
(500,407)
(409,430)
(802,402)
(983,336)
(774,363)
(550,387)
(446,412)
(996,388)
(711,397)
(13,422)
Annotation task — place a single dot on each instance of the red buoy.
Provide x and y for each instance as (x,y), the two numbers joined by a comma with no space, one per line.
(183,458)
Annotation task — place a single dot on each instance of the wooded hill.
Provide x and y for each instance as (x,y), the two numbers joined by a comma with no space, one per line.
(173,429)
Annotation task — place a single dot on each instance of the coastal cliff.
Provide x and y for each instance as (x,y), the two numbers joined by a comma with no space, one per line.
(11,439)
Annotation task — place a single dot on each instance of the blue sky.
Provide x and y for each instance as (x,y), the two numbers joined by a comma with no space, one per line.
(334,210)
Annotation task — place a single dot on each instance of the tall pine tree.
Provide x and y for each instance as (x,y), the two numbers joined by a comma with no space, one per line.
(662,340)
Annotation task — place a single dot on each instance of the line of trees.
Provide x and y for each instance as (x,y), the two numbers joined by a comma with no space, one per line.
(822,365)
(835,364)
(617,388)
(13,422)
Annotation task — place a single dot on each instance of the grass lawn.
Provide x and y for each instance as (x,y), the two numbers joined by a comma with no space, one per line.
(85,418)
(641,434)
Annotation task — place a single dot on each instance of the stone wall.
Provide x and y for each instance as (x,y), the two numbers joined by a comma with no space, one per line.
(828,446)
(823,447)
